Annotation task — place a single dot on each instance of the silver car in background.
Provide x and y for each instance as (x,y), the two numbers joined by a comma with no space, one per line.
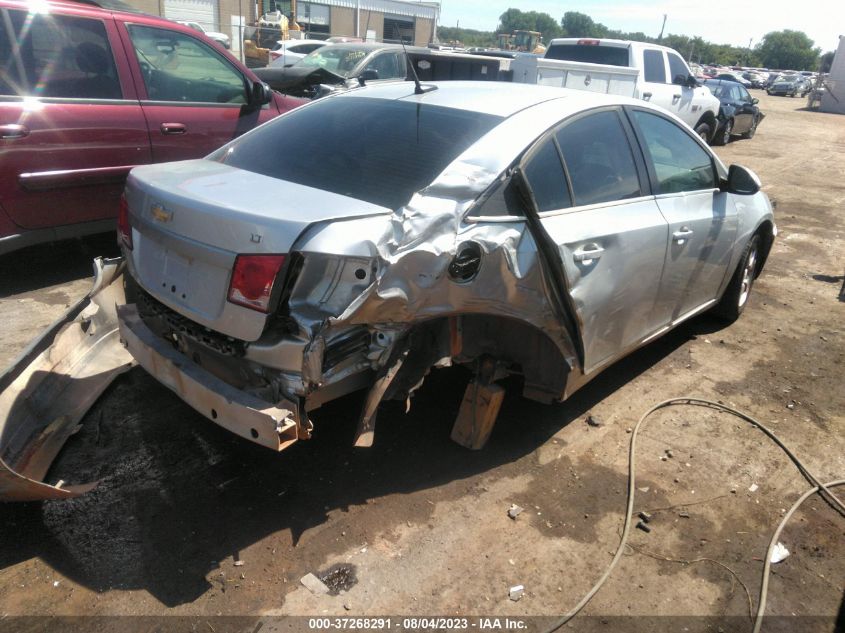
(513,229)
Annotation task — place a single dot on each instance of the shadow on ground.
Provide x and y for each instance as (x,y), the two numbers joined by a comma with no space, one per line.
(178,494)
(45,265)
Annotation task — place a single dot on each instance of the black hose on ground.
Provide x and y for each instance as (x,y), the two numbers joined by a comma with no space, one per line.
(818,487)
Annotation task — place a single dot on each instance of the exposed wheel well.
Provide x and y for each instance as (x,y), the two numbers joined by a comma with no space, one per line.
(519,347)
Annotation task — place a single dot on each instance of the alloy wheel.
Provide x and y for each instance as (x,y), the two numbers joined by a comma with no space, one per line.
(748,275)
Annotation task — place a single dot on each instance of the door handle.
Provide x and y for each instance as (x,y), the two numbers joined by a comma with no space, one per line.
(173,128)
(682,234)
(13,131)
(646,96)
(675,98)
(588,253)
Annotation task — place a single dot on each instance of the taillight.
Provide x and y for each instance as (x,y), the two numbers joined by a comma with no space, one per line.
(124,230)
(252,280)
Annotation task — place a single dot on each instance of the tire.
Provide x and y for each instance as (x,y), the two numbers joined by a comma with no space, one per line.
(736,295)
(723,136)
(703,131)
(752,129)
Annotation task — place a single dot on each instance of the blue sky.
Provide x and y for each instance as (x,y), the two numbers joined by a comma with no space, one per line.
(719,21)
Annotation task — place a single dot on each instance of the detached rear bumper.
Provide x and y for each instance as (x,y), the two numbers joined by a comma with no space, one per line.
(45,393)
(275,426)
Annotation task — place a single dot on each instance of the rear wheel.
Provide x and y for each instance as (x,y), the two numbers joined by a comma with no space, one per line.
(723,137)
(736,295)
(752,129)
(703,131)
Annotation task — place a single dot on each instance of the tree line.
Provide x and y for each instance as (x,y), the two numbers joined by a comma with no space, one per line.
(785,49)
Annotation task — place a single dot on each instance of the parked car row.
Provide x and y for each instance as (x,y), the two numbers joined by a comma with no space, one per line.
(790,84)
(761,78)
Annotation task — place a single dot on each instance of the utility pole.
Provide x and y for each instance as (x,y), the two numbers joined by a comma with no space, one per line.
(660,37)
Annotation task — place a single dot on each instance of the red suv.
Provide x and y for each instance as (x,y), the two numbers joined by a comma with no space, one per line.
(87,93)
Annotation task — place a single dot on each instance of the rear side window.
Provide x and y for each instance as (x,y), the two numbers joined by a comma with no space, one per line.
(598,158)
(377,150)
(590,53)
(59,56)
(388,66)
(544,173)
(677,68)
(177,67)
(653,67)
(680,163)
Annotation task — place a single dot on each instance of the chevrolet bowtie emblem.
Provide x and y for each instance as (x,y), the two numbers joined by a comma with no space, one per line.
(160,214)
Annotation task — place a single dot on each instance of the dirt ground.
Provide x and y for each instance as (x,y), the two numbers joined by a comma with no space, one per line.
(189,520)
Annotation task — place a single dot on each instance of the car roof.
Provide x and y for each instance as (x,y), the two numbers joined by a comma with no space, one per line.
(373,46)
(491,97)
(289,43)
(606,41)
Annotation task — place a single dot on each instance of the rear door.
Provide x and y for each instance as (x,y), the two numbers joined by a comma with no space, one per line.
(194,97)
(656,88)
(71,125)
(591,192)
(660,71)
(702,219)
(744,109)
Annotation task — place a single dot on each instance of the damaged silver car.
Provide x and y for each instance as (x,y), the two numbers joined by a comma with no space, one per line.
(513,229)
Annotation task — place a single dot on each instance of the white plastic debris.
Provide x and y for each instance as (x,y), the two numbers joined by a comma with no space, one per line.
(515,592)
(314,584)
(753,488)
(779,553)
(514,511)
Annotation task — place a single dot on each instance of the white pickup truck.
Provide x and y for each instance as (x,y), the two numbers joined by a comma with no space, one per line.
(656,74)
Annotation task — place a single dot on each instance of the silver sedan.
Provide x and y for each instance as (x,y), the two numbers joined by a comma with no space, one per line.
(513,229)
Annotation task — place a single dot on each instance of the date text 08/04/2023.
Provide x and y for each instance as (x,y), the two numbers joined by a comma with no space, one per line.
(416,623)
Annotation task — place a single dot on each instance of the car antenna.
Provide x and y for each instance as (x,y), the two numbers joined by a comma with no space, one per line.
(418,87)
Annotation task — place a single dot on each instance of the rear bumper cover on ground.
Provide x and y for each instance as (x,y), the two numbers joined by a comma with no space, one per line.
(47,390)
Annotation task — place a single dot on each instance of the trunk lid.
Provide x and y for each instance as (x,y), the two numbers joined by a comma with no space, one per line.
(190,219)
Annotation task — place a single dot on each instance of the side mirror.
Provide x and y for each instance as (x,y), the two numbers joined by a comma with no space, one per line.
(755,100)
(260,95)
(742,181)
(369,74)
(692,82)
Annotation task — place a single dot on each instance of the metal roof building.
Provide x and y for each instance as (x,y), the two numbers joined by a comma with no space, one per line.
(390,20)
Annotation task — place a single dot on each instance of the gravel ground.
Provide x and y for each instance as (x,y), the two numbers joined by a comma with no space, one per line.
(189,520)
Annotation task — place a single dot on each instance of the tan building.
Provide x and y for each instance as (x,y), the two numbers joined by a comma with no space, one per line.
(379,20)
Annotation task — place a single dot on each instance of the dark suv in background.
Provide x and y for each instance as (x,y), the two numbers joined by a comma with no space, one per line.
(87,93)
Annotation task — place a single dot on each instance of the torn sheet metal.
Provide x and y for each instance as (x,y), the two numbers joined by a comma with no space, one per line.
(48,389)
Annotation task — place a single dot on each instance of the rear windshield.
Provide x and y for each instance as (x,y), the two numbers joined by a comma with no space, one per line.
(379,151)
(590,53)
